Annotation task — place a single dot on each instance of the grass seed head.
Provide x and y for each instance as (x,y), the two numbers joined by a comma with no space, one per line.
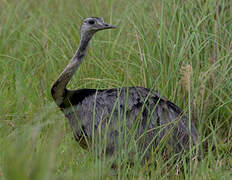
(186,72)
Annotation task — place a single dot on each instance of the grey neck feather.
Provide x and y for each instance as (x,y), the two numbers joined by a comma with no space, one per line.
(59,87)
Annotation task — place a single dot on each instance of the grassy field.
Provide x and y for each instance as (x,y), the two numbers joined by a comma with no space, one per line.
(183,48)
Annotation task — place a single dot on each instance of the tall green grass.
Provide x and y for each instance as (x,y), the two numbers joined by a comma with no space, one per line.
(153,44)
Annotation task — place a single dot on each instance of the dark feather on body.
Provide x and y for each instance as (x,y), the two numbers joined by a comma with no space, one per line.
(155,117)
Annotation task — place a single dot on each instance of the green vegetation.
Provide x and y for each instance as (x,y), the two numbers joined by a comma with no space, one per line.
(183,48)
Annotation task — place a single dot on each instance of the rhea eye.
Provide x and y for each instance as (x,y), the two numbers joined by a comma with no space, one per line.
(91,22)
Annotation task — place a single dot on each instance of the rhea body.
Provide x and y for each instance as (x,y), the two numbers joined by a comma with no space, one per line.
(96,113)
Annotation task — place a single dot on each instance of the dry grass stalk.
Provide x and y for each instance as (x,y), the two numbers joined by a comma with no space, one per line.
(141,56)
(186,72)
(201,100)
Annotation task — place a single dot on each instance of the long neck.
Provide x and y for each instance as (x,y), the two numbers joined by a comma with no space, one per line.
(59,87)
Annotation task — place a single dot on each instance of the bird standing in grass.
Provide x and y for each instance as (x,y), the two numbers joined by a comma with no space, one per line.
(134,117)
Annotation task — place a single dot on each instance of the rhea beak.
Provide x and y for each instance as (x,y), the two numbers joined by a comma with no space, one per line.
(108,26)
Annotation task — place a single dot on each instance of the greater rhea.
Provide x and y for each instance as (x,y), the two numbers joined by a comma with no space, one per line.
(137,115)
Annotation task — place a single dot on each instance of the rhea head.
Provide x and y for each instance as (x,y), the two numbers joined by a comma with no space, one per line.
(93,24)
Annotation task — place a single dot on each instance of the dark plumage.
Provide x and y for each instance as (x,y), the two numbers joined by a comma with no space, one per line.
(122,116)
